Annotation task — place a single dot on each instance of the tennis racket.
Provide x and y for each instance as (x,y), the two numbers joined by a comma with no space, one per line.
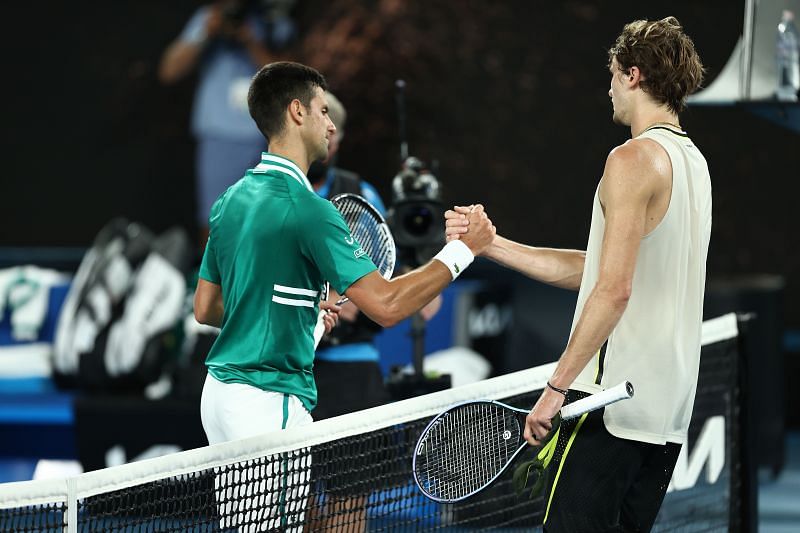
(369,229)
(464,449)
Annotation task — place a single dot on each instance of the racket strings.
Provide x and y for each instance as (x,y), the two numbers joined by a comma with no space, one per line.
(371,233)
(460,474)
(373,239)
(467,450)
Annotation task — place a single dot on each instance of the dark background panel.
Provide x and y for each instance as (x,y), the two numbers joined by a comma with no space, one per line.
(510,98)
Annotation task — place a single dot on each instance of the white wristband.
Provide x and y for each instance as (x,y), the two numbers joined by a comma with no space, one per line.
(456,256)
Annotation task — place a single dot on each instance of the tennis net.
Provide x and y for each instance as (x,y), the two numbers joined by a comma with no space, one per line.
(353,473)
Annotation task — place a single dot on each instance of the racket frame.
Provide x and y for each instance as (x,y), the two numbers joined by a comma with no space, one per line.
(381,222)
(574,409)
(319,328)
(437,420)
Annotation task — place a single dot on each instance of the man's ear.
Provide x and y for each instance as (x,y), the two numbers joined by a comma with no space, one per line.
(634,76)
(297,111)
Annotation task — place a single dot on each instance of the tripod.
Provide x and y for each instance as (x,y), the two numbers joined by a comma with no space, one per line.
(403,385)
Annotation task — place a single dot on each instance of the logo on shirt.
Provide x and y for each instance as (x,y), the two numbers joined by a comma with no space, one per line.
(349,240)
(358,253)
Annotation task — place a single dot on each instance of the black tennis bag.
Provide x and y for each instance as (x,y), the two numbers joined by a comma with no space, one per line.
(118,323)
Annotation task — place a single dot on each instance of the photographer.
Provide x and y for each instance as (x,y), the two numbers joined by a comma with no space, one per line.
(227,41)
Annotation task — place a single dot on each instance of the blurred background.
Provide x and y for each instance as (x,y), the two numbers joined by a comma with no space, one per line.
(506,104)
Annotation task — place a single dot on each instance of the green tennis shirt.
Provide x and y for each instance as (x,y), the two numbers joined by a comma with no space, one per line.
(272,244)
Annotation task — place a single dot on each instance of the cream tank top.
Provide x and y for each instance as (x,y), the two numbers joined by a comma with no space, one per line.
(656,344)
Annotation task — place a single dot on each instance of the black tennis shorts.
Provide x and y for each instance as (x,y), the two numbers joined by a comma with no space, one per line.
(601,483)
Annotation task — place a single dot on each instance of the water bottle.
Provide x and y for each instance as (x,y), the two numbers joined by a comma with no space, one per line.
(788,57)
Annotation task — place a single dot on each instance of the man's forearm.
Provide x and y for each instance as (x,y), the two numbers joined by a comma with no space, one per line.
(413,291)
(600,315)
(179,60)
(561,268)
(387,303)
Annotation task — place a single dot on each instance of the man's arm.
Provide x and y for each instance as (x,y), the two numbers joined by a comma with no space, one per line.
(178,60)
(629,182)
(182,55)
(208,303)
(389,302)
(208,308)
(561,268)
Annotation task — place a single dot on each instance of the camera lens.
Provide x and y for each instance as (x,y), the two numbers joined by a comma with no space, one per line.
(417,220)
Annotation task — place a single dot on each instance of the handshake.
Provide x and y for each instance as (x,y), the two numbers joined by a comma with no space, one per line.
(471,226)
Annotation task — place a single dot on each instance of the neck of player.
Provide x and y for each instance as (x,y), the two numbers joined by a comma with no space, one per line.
(293,151)
(657,118)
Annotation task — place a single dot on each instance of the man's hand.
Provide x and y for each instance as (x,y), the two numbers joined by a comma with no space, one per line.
(481,230)
(244,34)
(455,222)
(214,22)
(331,318)
(538,422)
(349,312)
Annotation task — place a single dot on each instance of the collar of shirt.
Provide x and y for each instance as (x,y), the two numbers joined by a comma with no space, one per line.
(281,164)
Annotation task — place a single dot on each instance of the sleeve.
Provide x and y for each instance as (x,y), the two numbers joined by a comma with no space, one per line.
(326,240)
(369,192)
(209,270)
(195,29)
(209,267)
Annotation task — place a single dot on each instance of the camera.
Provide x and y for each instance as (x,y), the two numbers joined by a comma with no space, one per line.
(416,218)
(235,11)
(416,213)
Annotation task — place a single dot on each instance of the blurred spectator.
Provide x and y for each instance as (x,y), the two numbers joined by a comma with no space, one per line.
(348,354)
(346,365)
(227,41)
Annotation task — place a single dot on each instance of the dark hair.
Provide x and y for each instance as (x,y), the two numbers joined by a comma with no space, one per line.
(274,87)
(666,57)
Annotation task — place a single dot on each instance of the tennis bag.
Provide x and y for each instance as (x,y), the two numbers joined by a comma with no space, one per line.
(118,320)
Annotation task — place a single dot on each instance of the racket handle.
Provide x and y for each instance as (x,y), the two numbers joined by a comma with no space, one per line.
(623,391)
(319,329)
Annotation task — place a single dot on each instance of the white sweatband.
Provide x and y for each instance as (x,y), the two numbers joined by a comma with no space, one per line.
(456,256)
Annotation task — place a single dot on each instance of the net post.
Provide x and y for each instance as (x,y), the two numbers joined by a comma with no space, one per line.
(748,458)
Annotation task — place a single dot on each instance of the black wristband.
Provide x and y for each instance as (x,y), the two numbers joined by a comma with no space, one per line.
(562,391)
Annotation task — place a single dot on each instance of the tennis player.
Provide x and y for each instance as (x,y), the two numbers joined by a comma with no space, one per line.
(272,245)
(273,242)
(641,282)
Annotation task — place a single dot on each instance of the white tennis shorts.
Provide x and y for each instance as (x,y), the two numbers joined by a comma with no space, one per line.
(257,497)
(232,411)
